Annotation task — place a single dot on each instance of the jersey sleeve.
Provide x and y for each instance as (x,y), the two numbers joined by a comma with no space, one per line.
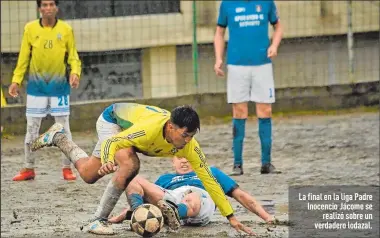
(134,136)
(222,18)
(23,58)
(196,158)
(73,58)
(273,14)
(163,180)
(227,183)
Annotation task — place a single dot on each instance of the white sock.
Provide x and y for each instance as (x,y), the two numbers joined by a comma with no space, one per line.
(108,201)
(32,132)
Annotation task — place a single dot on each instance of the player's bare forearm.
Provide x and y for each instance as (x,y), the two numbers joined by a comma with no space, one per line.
(219,43)
(277,34)
(250,203)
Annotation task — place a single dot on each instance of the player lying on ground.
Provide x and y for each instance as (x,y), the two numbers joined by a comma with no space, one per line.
(183,188)
(146,129)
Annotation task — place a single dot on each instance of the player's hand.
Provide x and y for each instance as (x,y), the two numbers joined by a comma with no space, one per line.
(74,81)
(107,168)
(272,51)
(273,221)
(240,227)
(218,68)
(13,90)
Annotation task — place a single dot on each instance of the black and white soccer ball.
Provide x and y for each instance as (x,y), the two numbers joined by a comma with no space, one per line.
(147,220)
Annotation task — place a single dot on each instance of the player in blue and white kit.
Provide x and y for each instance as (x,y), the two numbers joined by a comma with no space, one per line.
(186,191)
(250,72)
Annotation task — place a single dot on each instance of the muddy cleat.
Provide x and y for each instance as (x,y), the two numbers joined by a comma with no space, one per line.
(68,174)
(25,174)
(269,169)
(99,227)
(46,139)
(237,170)
(170,213)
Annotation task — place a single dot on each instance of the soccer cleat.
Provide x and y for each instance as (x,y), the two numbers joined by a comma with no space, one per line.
(68,174)
(24,174)
(98,227)
(170,213)
(46,139)
(237,170)
(269,169)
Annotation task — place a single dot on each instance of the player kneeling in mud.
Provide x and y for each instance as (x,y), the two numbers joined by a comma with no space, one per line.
(185,191)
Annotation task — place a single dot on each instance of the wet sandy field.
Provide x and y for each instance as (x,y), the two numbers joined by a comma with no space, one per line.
(310,150)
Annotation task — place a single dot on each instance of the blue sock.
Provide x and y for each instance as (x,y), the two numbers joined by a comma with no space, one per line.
(238,139)
(135,200)
(182,210)
(265,133)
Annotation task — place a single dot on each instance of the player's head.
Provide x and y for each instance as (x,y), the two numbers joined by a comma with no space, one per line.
(183,125)
(181,165)
(48,8)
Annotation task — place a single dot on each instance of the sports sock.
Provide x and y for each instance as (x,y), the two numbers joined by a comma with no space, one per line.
(182,210)
(64,120)
(238,139)
(265,134)
(69,148)
(32,128)
(108,201)
(135,200)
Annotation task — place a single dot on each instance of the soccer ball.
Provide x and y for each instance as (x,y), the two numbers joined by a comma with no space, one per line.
(147,220)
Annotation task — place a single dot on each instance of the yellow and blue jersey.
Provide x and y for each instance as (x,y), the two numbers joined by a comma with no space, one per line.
(144,131)
(43,52)
(173,180)
(247,22)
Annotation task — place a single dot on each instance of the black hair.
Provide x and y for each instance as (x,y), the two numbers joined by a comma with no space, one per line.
(39,3)
(186,116)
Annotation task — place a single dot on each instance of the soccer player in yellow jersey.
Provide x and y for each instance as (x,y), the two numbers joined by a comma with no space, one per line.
(45,44)
(144,129)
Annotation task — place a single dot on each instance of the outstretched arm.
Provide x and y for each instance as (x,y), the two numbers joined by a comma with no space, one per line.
(251,204)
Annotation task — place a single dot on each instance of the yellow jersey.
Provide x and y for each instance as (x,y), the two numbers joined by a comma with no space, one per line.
(3,101)
(43,51)
(146,135)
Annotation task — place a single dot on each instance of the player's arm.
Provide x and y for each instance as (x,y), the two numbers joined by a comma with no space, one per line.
(198,162)
(125,139)
(250,203)
(73,58)
(274,20)
(23,58)
(219,43)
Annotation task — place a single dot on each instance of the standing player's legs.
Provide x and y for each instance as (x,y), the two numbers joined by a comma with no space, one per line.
(60,110)
(36,109)
(238,93)
(263,93)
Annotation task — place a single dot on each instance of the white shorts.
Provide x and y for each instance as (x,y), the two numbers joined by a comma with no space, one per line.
(105,131)
(250,83)
(37,106)
(207,204)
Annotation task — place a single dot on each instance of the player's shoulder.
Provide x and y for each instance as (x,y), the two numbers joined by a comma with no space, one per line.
(32,24)
(64,25)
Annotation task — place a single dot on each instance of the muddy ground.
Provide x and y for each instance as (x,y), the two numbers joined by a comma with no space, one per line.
(310,150)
